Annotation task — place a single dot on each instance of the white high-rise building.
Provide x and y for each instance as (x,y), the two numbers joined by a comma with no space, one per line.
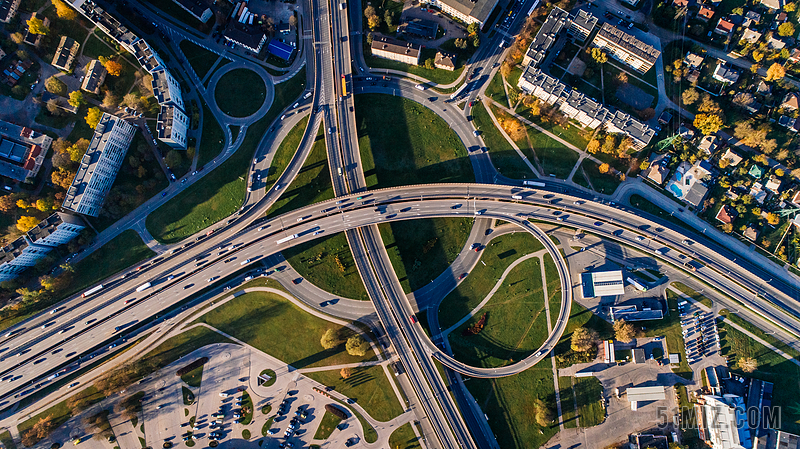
(172,126)
(166,89)
(18,255)
(56,229)
(99,166)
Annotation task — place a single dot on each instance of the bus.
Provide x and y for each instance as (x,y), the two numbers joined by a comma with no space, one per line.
(344,86)
(534,183)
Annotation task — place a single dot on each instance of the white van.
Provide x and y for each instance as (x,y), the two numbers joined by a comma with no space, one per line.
(516,197)
(420,87)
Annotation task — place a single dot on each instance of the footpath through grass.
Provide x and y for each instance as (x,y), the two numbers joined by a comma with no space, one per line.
(515,324)
(313,183)
(368,386)
(420,250)
(403,142)
(404,437)
(566,394)
(276,326)
(498,255)
(221,192)
(328,263)
(240,93)
(604,183)
(553,287)
(509,402)
(504,158)
(198,57)
(772,367)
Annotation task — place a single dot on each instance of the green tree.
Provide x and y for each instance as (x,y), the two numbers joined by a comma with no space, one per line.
(76,99)
(93,116)
(329,339)
(36,26)
(357,346)
(429,63)
(786,29)
(55,86)
(599,56)
(472,29)
(707,123)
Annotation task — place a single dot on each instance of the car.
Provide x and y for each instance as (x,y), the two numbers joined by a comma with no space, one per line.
(463,275)
(277,186)
(223,395)
(246,261)
(471,103)
(159,407)
(640,238)
(187,286)
(476,133)
(317,232)
(297,281)
(272,431)
(598,223)
(170,277)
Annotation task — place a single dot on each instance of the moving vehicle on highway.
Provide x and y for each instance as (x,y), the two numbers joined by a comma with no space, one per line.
(91,291)
(286,239)
(534,183)
(143,287)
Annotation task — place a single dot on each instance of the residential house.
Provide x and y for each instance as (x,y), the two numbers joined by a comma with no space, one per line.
(724,27)
(35,39)
(751,36)
(626,48)
(756,171)
(733,158)
(794,56)
(758,193)
(665,118)
(796,198)
(708,144)
(725,74)
(445,61)
(678,4)
(420,28)
(751,18)
(693,76)
(396,50)
(791,101)
(22,151)
(751,233)
(657,173)
(688,182)
(790,123)
(705,14)
(15,71)
(775,44)
(781,17)
(762,88)
(239,34)
(693,61)
(773,184)
(555,22)
(94,77)
(773,5)
(65,54)
(727,214)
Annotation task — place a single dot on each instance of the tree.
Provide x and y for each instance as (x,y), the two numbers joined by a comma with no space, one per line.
(133,101)
(786,29)
(45,204)
(110,100)
(39,431)
(356,346)
(476,42)
(52,107)
(346,372)
(757,55)
(773,218)
(472,29)
(293,21)
(603,168)
(690,96)
(743,99)
(388,17)
(62,178)
(93,116)
(64,11)
(370,11)
(55,86)
(624,331)
(429,63)
(644,165)
(76,99)
(173,158)
(779,172)
(374,22)
(593,146)
(776,71)
(113,67)
(583,339)
(7,203)
(17,37)
(26,223)
(707,123)
(544,413)
(460,43)
(790,7)
(514,128)
(329,339)
(599,56)
(748,364)
(36,26)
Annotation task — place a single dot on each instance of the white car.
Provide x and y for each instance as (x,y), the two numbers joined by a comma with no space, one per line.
(277,186)
(247,261)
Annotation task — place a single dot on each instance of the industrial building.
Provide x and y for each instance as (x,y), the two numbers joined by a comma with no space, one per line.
(396,50)
(626,48)
(719,419)
(631,313)
(636,395)
(99,166)
(197,9)
(602,283)
(280,49)
(22,151)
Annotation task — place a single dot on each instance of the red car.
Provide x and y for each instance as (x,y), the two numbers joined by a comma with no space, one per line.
(413,319)
(463,275)
(471,103)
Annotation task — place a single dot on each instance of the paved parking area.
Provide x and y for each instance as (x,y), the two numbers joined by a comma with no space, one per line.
(700,334)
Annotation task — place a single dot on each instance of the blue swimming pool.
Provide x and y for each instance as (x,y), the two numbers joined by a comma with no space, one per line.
(676,190)
(678,176)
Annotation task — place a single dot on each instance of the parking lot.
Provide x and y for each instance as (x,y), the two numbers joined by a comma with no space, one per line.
(699,331)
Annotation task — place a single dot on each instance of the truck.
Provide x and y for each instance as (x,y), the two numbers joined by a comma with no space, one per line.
(252,182)
(92,291)
(143,287)
(286,239)
(344,86)
(639,286)
(533,183)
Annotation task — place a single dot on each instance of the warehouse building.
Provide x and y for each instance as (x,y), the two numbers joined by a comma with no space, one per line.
(602,283)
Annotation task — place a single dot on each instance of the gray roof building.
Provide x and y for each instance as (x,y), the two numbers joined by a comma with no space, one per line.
(390,48)
(147,58)
(99,166)
(56,229)
(581,24)
(445,61)
(197,9)
(94,77)
(65,54)
(626,48)
(172,126)
(166,88)
(421,28)
(106,22)
(546,37)
(18,255)
(470,11)
(8,9)
(22,151)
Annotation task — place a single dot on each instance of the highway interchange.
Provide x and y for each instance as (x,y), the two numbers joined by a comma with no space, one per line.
(51,342)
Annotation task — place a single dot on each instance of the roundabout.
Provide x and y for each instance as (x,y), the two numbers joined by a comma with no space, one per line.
(235,81)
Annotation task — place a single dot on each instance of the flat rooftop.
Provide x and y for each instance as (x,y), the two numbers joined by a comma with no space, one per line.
(628,42)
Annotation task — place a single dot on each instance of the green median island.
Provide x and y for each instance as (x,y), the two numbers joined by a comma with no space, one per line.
(273,324)
(221,192)
(327,425)
(403,142)
(240,93)
(368,386)
(404,437)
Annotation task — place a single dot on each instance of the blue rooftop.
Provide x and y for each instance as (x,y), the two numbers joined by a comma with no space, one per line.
(280,49)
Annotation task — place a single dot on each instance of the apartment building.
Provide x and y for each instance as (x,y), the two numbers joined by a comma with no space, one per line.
(469,11)
(396,50)
(18,255)
(172,126)
(99,166)
(626,48)
(166,89)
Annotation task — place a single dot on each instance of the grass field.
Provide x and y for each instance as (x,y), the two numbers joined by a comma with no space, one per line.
(588,392)
(758,332)
(498,255)
(285,152)
(240,93)
(688,291)
(404,437)
(276,326)
(7,441)
(579,316)
(212,140)
(179,346)
(60,412)
(604,183)
(495,89)
(554,156)
(198,57)
(188,396)
(403,142)
(313,183)
(328,264)
(553,287)
(193,377)
(644,205)
(221,192)
(771,367)
(516,324)
(327,425)
(509,404)
(369,386)
(420,250)
(566,395)
(96,47)
(504,158)
(438,76)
